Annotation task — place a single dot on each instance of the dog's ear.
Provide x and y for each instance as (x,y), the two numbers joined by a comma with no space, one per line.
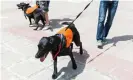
(43,40)
(22,3)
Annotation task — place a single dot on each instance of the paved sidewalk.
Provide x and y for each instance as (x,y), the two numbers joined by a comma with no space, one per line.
(19,44)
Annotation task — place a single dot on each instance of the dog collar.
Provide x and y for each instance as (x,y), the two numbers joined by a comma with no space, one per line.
(59,47)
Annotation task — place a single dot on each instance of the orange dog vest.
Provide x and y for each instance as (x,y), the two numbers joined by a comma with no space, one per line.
(68,35)
(31,9)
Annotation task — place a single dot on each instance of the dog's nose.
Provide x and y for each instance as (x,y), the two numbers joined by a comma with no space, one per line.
(17,4)
(36,56)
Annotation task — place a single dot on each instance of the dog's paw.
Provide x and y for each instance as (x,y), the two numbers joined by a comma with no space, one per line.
(81,51)
(100,47)
(41,28)
(54,76)
(35,29)
(75,67)
(31,25)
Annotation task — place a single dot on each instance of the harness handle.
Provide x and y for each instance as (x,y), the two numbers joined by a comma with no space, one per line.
(79,14)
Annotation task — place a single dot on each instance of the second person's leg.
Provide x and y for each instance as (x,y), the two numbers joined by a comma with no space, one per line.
(111,13)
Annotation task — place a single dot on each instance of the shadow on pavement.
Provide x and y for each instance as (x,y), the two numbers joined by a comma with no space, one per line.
(69,73)
(56,23)
(114,40)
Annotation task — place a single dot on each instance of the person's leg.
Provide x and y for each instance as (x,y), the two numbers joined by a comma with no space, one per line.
(101,19)
(47,25)
(46,13)
(111,13)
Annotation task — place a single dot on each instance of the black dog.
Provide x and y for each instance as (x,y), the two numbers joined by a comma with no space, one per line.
(60,44)
(36,14)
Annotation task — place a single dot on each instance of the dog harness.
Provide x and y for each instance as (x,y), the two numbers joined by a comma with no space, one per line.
(68,35)
(31,9)
(66,39)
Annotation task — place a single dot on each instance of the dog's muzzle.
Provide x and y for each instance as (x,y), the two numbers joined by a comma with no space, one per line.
(18,5)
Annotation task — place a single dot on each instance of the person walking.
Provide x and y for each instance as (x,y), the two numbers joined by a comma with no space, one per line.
(102,27)
(44,5)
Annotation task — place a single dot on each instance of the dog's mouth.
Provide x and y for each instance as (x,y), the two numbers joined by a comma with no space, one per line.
(42,58)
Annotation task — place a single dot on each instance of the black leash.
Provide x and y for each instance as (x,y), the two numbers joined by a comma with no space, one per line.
(79,14)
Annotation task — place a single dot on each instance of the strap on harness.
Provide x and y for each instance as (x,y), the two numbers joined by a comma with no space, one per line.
(59,48)
(54,56)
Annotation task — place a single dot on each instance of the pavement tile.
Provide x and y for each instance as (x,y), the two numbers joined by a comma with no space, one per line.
(27,68)
(126,53)
(107,63)
(22,46)
(92,75)
(9,58)
(4,48)
(125,65)
(28,51)
(120,46)
(120,74)
(6,75)
(29,33)
(8,37)
(104,63)
(42,75)
(20,42)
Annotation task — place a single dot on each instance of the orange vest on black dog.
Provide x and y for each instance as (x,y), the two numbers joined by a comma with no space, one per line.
(31,9)
(68,35)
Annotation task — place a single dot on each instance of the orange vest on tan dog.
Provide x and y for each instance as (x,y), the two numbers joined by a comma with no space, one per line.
(68,35)
(31,9)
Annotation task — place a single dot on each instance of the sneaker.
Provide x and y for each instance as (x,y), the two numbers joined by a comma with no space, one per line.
(104,41)
(99,44)
(47,26)
(31,25)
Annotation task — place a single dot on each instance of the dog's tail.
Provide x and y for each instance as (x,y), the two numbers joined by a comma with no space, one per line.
(66,23)
(69,24)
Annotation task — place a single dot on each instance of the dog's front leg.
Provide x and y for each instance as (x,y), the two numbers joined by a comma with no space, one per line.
(36,23)
(54,76)
(30,21)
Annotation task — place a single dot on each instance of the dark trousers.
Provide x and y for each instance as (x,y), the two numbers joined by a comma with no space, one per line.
(103,29)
